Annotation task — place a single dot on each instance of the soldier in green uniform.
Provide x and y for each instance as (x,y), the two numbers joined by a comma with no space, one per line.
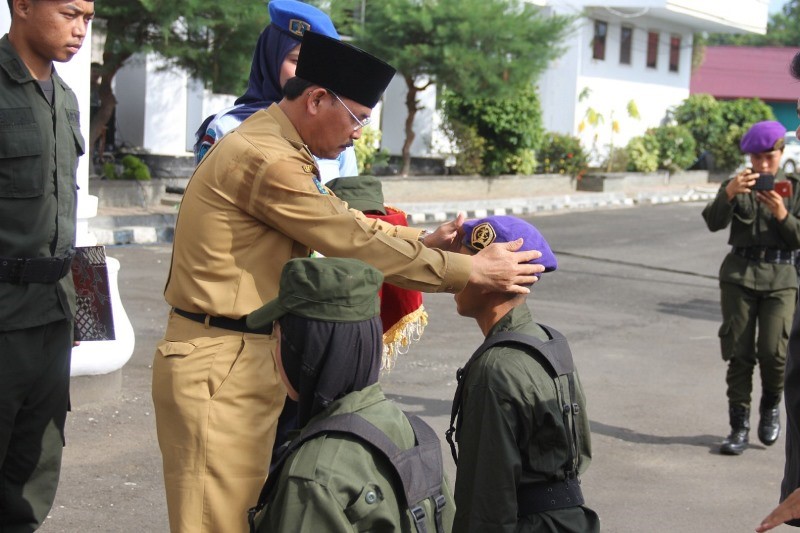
(40,142)
(758,282)
(523,431)
(329,351)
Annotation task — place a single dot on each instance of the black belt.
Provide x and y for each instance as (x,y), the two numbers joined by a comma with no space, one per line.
(548,496)
(35,270)
(233,324)
(766,255)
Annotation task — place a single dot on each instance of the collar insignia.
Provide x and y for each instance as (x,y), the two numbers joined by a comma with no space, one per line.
(482,236)
(308,169)
(299,27)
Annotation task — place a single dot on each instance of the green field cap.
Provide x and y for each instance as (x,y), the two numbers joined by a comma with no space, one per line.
(364,193)
(330,289)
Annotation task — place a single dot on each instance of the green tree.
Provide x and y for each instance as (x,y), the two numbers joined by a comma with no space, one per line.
(783,29)
(214,41)
(475,48)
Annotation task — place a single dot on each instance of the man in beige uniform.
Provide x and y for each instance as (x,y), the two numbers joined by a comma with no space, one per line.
(253,203)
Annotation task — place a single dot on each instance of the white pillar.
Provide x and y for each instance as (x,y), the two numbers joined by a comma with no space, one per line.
(96,357)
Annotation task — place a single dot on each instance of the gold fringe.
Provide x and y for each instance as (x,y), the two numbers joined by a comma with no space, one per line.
(400,336)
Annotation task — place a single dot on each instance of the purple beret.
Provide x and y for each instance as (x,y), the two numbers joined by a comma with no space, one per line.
(763,137)
(480,233)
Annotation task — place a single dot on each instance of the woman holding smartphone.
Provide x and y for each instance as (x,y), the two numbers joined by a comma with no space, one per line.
(758,280)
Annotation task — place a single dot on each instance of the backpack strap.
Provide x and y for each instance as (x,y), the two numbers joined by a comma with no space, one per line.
(556,357)
(419,468)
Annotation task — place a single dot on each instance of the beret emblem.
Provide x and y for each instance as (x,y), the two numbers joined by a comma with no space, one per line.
(298,27)
(482,236)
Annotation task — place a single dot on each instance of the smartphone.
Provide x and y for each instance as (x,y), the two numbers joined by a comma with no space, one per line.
(764,182)
(784,188)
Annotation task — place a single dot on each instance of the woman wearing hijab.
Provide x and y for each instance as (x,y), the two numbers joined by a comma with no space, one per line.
(274,62)
(326,317)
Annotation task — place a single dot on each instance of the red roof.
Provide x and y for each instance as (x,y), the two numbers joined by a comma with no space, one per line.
(747,72)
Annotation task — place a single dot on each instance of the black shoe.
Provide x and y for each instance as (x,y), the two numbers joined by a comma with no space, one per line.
(769,425)
(738,440)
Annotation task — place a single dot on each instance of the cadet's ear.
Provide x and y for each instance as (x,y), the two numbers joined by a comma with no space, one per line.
(20,8)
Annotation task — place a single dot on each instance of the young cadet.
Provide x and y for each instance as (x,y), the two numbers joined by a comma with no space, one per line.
(274,63)
(254,202)
(522,429)
(40,142)
(354,466)
(758,283)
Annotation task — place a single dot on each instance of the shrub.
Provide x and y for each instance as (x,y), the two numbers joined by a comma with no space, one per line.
(510,127)
(617,160)
(702,115)
(717,126)
(676,147)
(110,171)
(470,147)
(134,168)
(368,153)
(562,154)
(643,153)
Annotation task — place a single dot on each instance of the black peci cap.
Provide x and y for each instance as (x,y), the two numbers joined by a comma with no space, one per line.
(344,69)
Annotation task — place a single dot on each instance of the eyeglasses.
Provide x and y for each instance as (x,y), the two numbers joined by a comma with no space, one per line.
(359,123)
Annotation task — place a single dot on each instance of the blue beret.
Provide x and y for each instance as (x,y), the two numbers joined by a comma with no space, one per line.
(294,18)
(763,137)
(480,233)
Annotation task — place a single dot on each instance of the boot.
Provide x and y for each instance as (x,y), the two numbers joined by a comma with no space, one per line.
(737,441)
(769,425)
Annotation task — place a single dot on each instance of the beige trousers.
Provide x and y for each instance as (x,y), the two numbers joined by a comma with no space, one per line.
(217,396)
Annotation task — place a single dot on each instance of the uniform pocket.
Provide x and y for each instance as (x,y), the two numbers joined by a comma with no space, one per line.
(175,348)
(726,341)
(75,125)
(368,500)
(21,161)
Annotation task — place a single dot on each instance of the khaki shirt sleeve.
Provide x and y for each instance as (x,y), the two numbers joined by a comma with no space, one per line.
(402,232)
(294,203)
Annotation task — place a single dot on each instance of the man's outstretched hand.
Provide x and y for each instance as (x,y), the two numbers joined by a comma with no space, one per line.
(501,268)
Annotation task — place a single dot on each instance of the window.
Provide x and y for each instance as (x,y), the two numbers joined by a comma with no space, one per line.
(625,40)
(652,49)
(674,53)
(599,41)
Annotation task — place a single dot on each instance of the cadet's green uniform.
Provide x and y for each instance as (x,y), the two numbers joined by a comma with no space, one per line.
(758,286)
(39,149)
(337,483)
(512,434)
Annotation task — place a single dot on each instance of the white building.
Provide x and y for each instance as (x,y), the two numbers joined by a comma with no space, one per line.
(638,50)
